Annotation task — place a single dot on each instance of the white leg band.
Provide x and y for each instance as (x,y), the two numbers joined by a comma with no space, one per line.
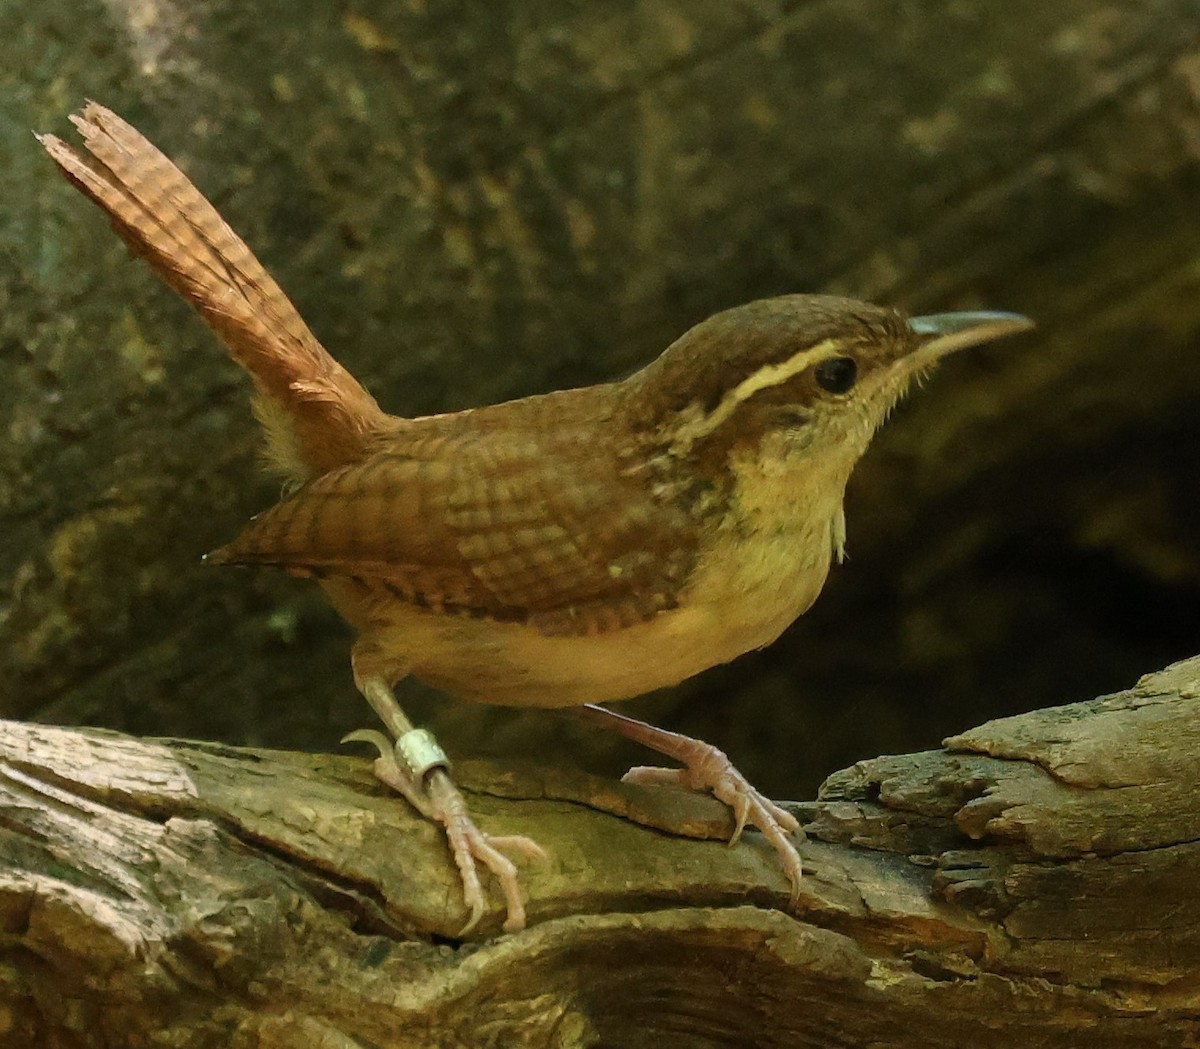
(419,752)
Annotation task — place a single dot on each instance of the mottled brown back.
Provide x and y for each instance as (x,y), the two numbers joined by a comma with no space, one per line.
(522,522)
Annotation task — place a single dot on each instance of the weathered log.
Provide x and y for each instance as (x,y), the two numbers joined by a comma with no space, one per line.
(1033,883)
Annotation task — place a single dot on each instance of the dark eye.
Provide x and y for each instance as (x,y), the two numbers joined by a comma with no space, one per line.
(837,374)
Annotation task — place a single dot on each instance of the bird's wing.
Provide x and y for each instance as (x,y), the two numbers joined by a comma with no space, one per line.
(522,529)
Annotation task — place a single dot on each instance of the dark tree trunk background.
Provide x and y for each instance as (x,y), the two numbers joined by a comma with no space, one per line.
(477,201)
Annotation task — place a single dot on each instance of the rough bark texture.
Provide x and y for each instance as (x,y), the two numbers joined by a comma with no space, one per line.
(476,200)
(1031,884)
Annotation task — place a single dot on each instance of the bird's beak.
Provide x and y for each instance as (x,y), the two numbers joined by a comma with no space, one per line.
(945,333)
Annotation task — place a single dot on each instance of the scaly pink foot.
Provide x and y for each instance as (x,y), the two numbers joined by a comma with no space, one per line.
(433,793)
(706,768)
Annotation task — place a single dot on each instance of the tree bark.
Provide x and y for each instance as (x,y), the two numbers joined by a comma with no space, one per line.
(1032,883)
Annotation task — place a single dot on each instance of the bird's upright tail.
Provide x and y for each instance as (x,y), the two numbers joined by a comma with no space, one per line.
(315,414)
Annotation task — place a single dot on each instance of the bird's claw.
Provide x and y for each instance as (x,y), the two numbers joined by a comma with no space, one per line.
(468,843)
(708,769)
(438,799)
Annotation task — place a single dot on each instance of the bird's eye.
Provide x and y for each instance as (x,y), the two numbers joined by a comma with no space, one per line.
(837,374)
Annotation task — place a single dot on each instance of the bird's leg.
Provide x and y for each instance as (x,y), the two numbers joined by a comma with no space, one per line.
(705,768)
(417,767)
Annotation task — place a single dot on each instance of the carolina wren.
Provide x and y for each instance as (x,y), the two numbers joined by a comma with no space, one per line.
(560,550)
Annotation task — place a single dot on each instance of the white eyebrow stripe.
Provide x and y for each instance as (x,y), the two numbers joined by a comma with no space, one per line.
(765,377)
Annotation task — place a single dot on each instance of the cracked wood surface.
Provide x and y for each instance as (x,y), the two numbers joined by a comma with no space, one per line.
(1033,883)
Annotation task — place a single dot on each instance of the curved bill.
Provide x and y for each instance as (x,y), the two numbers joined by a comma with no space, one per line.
(944,333)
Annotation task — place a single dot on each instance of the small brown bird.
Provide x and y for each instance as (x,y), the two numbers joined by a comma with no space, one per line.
(561,550)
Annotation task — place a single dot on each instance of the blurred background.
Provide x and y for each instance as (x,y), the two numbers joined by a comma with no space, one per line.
(471,202)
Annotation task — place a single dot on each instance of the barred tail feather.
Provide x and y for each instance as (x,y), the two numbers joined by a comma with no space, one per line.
(316,416)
